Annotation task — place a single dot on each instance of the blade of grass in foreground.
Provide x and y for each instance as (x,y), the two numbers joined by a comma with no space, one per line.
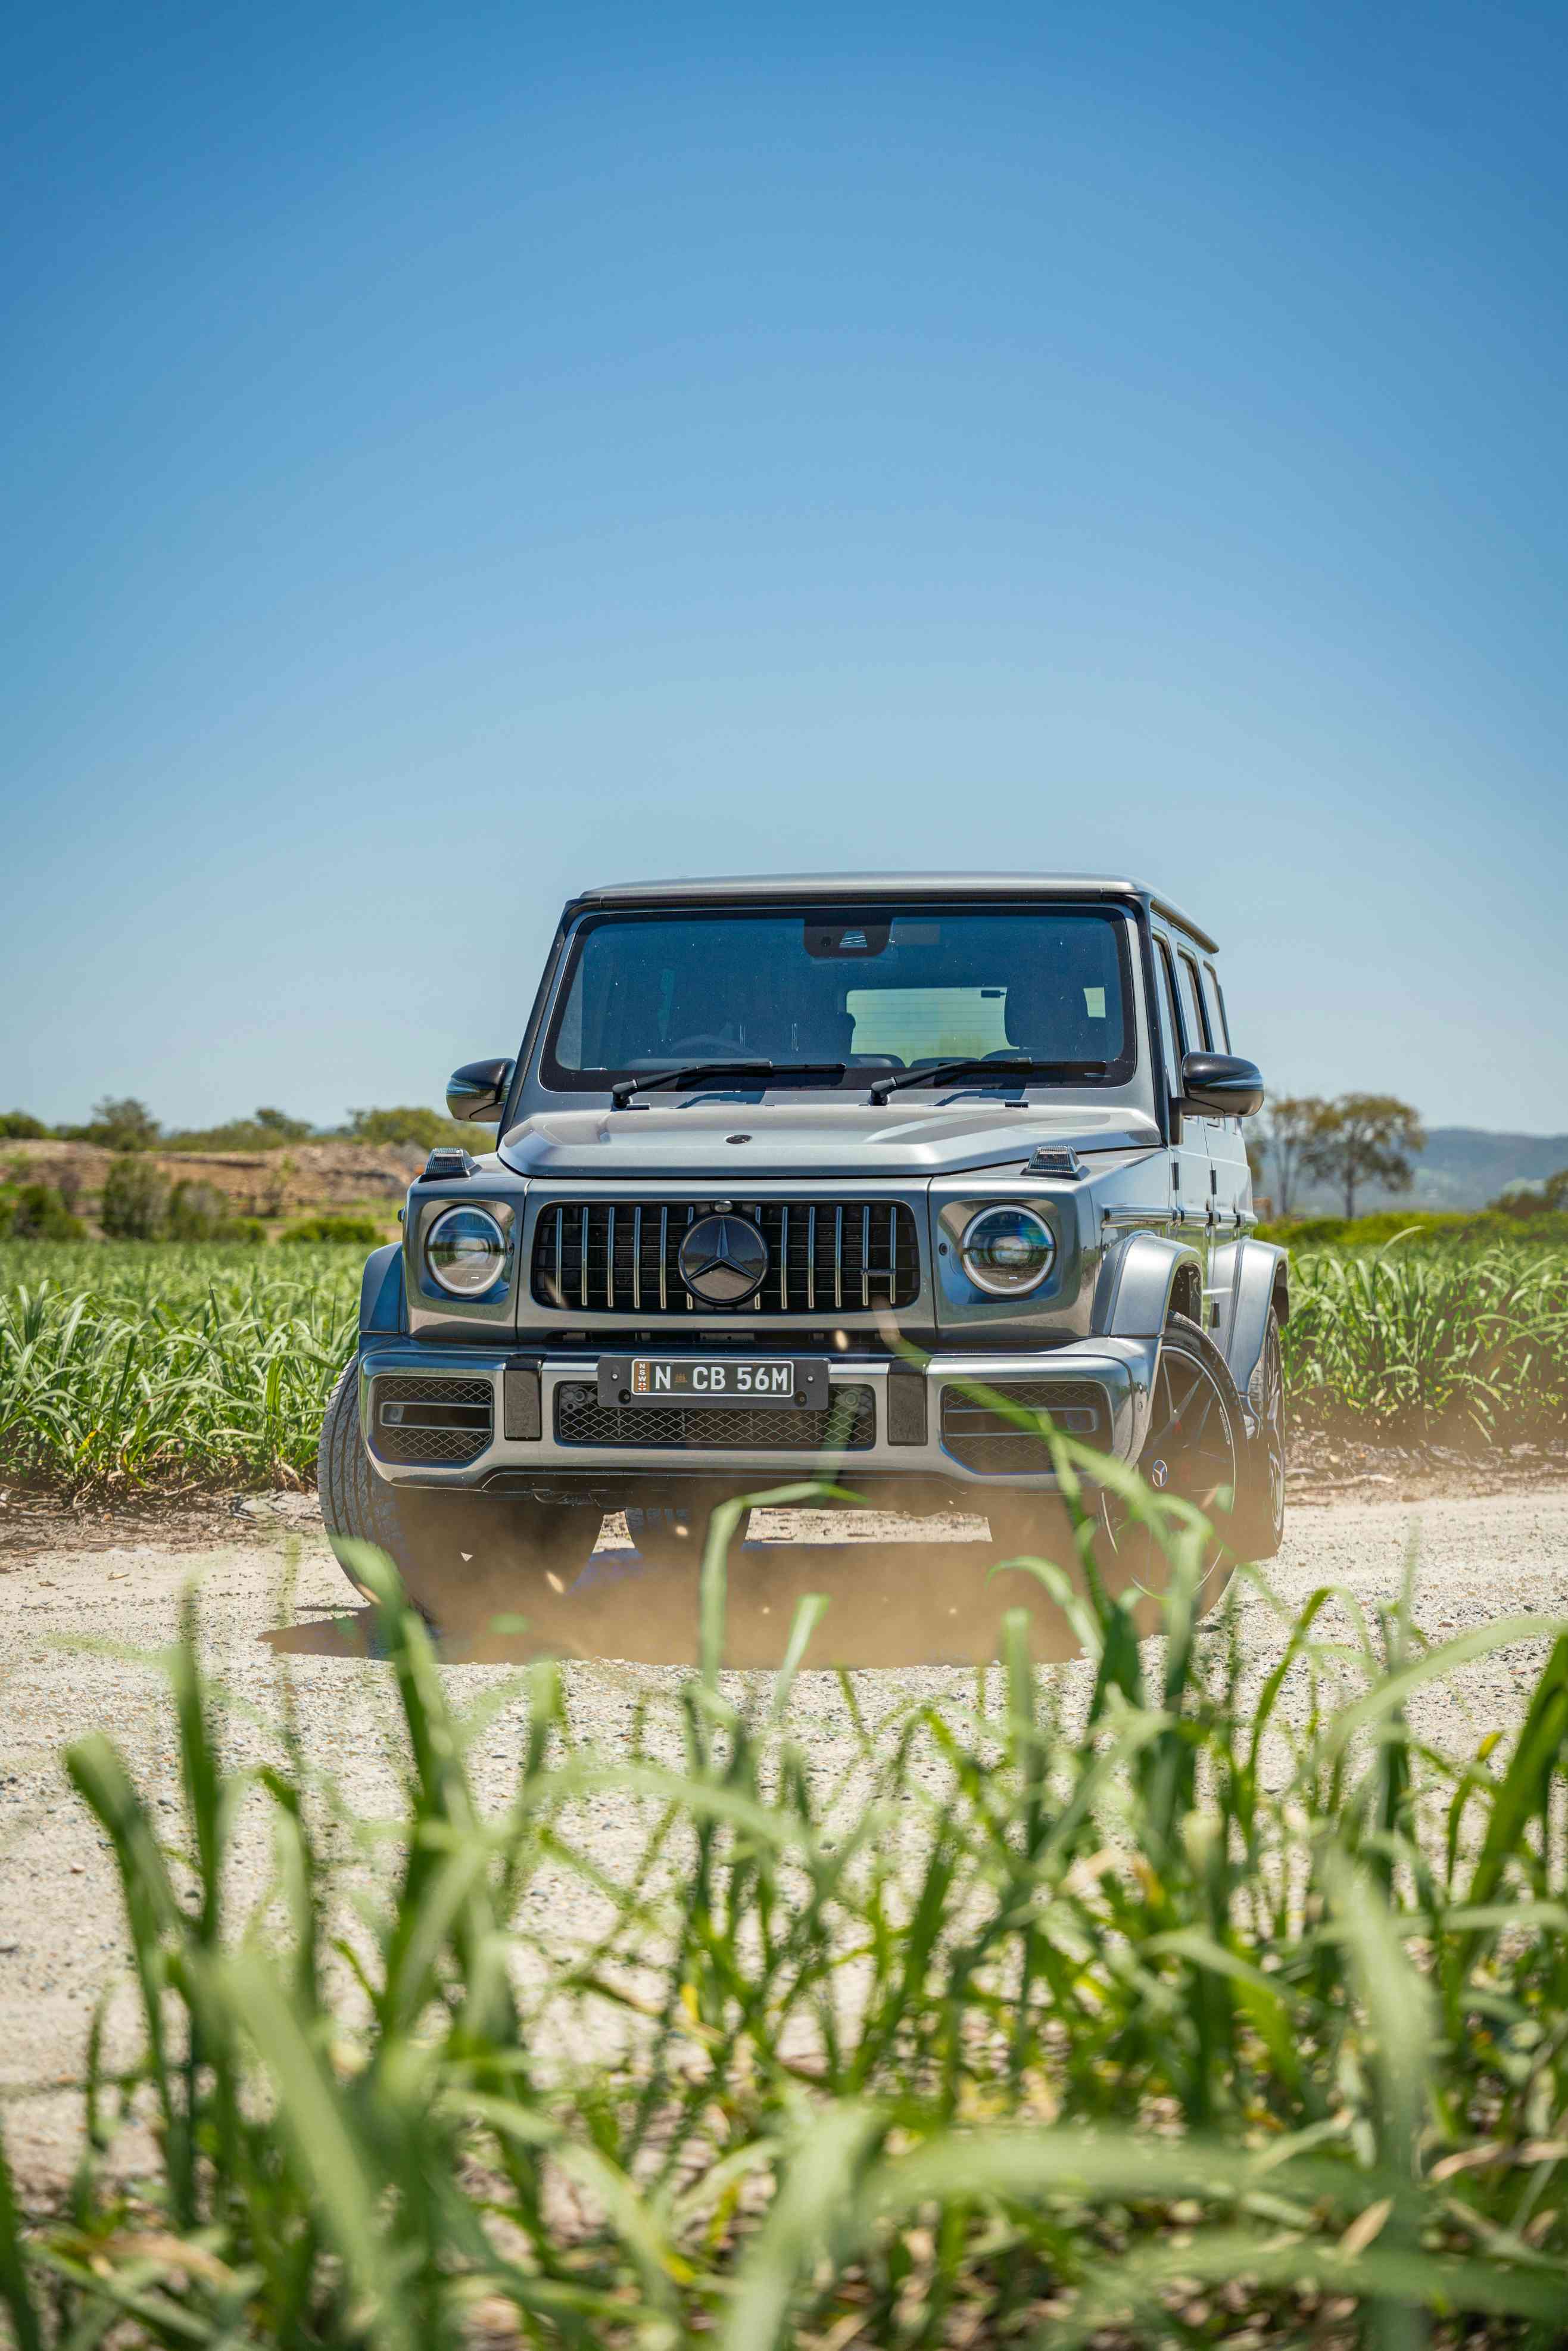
(956,2029)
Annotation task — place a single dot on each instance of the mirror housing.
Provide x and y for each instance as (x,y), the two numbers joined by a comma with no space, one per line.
(476,1093)
(1221,1085)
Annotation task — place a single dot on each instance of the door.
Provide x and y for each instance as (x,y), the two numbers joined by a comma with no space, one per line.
(1231,1176)
(1191,1192)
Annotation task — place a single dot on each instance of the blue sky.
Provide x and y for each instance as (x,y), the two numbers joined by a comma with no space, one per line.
(448,457)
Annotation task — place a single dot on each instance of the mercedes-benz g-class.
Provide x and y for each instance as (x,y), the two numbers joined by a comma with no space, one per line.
(787,1169)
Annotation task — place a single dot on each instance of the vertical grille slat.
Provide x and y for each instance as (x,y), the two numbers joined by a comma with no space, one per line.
(599,1257)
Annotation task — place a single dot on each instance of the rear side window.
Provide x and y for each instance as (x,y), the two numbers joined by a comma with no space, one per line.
(1193,1021)
(1214,1005)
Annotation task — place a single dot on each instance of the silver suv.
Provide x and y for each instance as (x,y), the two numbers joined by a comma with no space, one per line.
(787,1170)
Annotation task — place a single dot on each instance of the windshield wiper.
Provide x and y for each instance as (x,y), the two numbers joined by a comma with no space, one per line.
(1023,1068)
(698,1073)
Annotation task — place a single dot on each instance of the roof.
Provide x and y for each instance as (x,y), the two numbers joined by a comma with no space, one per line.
(859,889)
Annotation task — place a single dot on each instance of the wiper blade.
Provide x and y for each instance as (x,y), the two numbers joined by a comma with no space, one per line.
(698,1073)
(999,1069)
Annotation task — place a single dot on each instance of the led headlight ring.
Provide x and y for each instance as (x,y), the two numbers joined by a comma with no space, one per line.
(465,1250)
(1007,1251)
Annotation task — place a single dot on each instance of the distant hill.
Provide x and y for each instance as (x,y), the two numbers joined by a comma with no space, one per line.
(1461,1167)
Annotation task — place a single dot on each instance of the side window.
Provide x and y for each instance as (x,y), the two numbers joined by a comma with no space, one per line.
(1193,1021)
(1214,1005)
(1170,1027)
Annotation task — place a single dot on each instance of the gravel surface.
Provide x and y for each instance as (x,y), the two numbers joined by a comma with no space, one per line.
(88,1602)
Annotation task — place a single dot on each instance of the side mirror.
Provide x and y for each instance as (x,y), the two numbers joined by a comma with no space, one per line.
(476,1093)
(1222,1084)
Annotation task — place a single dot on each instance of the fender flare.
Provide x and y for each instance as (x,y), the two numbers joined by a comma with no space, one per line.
(1247,1278)
(1146,1277)
(383,1304)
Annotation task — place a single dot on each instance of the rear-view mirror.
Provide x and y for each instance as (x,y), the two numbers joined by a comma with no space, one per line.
(1221,1083)
(476,1093)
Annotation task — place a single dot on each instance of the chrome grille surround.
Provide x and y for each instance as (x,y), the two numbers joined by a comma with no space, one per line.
(619,1259)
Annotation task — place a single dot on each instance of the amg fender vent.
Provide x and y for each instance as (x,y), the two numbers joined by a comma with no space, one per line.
(824,1256)
(985,1440)
(426,1419)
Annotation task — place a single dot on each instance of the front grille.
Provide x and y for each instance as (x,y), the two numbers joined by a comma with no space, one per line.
(848,1426)
(824,1256)
(425,1418)
(987,1441)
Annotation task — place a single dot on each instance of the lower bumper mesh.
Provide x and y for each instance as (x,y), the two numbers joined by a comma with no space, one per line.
(420,1418)
(985,1440)
(848,1426)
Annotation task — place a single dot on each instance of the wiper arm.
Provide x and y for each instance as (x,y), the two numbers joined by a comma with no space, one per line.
(1021,1068)
(698,1073)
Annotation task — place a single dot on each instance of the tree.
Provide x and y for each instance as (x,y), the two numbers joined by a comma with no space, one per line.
(127,1126)
(20,1126)
(1364,1139)
(277,1122)
(1282,1133)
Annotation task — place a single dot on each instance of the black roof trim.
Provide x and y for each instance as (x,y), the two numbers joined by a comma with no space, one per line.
(859,888)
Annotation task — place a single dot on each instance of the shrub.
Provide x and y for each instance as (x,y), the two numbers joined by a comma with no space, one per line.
(18,1126)
(1419,1228)
(37,1213)
(425,1129)
(135,1205)
(267,1130)
(357,1229)
(199,1212)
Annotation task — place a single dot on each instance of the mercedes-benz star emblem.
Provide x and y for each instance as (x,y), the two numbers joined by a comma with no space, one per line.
(723,1259)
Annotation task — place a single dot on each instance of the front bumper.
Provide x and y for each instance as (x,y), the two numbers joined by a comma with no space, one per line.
(1120,1370)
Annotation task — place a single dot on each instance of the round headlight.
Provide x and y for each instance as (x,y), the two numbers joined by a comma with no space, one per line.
(1007,1251)
(465,1250)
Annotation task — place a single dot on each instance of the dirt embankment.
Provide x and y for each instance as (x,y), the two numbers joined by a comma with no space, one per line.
(299,1180)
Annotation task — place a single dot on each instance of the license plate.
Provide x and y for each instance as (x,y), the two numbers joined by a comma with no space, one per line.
(696,1379)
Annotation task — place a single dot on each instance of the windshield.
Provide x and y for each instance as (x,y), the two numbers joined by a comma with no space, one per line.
(884,990)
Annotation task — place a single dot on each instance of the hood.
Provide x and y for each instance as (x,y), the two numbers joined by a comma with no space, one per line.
(825,1141)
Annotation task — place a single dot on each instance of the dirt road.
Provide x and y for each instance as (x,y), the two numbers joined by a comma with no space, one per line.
(84,1610)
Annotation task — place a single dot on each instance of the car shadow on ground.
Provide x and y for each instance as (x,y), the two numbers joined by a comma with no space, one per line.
(924,1597)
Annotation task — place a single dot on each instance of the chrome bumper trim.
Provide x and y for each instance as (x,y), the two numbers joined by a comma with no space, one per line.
(1124,1367)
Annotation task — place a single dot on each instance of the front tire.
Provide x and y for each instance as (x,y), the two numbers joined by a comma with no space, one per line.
(463,1557)
(1196,1451)
(1260,1528)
